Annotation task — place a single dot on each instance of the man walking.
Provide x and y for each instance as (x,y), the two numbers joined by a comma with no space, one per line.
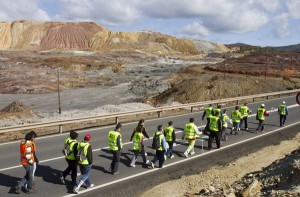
(208,113)
(215,127)
(138,147)
(70,150)
(28,160)
(261,116)
(283,112)
(115,146)
(85,160)
(170,136)
(190,133)
(161,148)
(236,119)
(244,112)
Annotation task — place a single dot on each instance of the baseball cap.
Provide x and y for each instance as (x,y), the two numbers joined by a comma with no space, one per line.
(87,137)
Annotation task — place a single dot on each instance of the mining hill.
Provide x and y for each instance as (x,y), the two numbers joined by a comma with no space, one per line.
(37,36)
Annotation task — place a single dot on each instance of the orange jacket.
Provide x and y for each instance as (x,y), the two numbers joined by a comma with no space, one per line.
(27,151)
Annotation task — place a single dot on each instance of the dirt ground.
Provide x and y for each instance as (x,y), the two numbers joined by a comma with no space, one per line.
(225,177)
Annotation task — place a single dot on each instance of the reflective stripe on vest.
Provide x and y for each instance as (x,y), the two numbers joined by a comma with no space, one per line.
(189,131)
(208,112)
(137,141)
(244,110)
(282,109)
(213,124)
(235,116)
(27,150)
(169,133)
(261,113)
(112,140)
(70,150)
(225,124)
(85,149)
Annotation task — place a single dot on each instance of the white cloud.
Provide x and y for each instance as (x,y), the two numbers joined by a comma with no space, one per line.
(195,30)
(293,7)
(281,24)
(22,10)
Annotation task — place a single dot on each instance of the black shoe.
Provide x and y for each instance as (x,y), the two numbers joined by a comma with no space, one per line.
(18,189)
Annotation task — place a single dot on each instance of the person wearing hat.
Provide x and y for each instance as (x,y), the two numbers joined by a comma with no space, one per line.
(70,151)
(261,116)
(115,146)
(85,160)
(283,112)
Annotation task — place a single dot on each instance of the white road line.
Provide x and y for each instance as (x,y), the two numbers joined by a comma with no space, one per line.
(126,143)
(177,162)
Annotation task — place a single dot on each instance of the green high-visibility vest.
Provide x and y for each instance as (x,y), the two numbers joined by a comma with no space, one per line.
(137,141)
(160,139)
(213,124)
(225,124)
(85,149)
(169,133)
(261,113)
(282,109)
(208,111)
(190,132)
(69,144)
(244,111)
(217,110)
(112,140)
(236,116)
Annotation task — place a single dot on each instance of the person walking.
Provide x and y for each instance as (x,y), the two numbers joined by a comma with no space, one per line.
(138,147)
(85,160)
(70,150)
(215,127)
(115,147)
(283,112)
(208,113)
(141,124)
(244,112)
(261,116)
(161,148)
(190,133)
(225,120)
(217,109)
(28,160)
(236,119)
(170,136)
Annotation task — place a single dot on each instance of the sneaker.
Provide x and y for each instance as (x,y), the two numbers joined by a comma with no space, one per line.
(62,179)
(172,157)
(225,138)
(247,129)
(238,129)
(18,189)
(92,185)
(283,125)
(76,190)
(132,166)
(30,191)
(185,154)
(147,162)
(192,153)
(152,164)
(115,173)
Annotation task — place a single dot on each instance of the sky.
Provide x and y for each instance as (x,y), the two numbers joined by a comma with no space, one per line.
(254,22)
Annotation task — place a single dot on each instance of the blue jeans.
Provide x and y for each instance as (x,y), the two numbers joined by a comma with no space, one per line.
(170,150)
(28,178)
(85,172)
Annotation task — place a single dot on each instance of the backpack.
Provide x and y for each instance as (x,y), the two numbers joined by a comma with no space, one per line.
(66,151)
(80,154)
(156,142)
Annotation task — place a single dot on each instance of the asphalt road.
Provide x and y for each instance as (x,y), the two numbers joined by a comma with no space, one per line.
(133,181)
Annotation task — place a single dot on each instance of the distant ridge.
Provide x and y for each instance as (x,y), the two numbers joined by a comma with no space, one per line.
(289,48)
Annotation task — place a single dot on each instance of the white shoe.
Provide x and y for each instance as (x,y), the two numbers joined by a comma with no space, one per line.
(247,129)
(172,157)
(92,185)
(132,166)
(146,154)
(147,161)
(192,153)
(76,190)
(152,164)
(185,154)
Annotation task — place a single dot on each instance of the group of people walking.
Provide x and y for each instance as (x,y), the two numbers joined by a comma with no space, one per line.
(80,153)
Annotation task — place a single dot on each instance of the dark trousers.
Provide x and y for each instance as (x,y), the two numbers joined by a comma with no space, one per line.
(244,120)
(160,155)
(260,125)
(214,135)
(206,126)
(170,150)
(72,167)
(116,160)
(282,119)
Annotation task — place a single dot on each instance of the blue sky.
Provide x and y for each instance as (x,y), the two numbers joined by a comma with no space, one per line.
(255,22)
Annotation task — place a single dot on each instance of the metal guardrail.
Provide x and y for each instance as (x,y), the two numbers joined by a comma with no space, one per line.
(157,110)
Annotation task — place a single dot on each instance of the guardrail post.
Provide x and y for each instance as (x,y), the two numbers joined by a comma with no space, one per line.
(117,120)
(267,97)
(237,102)
(159,114)
(253,100)
(60,128)
(192,109)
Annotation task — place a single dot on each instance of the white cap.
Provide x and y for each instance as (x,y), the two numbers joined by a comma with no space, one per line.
(283,102)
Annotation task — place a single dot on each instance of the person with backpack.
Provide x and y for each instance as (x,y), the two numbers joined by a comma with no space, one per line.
(282,112)
(160,145)
(70,151)
(236,117)
(138,147)
(215,127)
(261,116)
(244,112)
(85,159)
(190,133)
(170,136)
(115,146)
(28,160)
(225,120)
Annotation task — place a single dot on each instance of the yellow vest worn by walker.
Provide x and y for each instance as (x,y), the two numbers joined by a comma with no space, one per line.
(112,140)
